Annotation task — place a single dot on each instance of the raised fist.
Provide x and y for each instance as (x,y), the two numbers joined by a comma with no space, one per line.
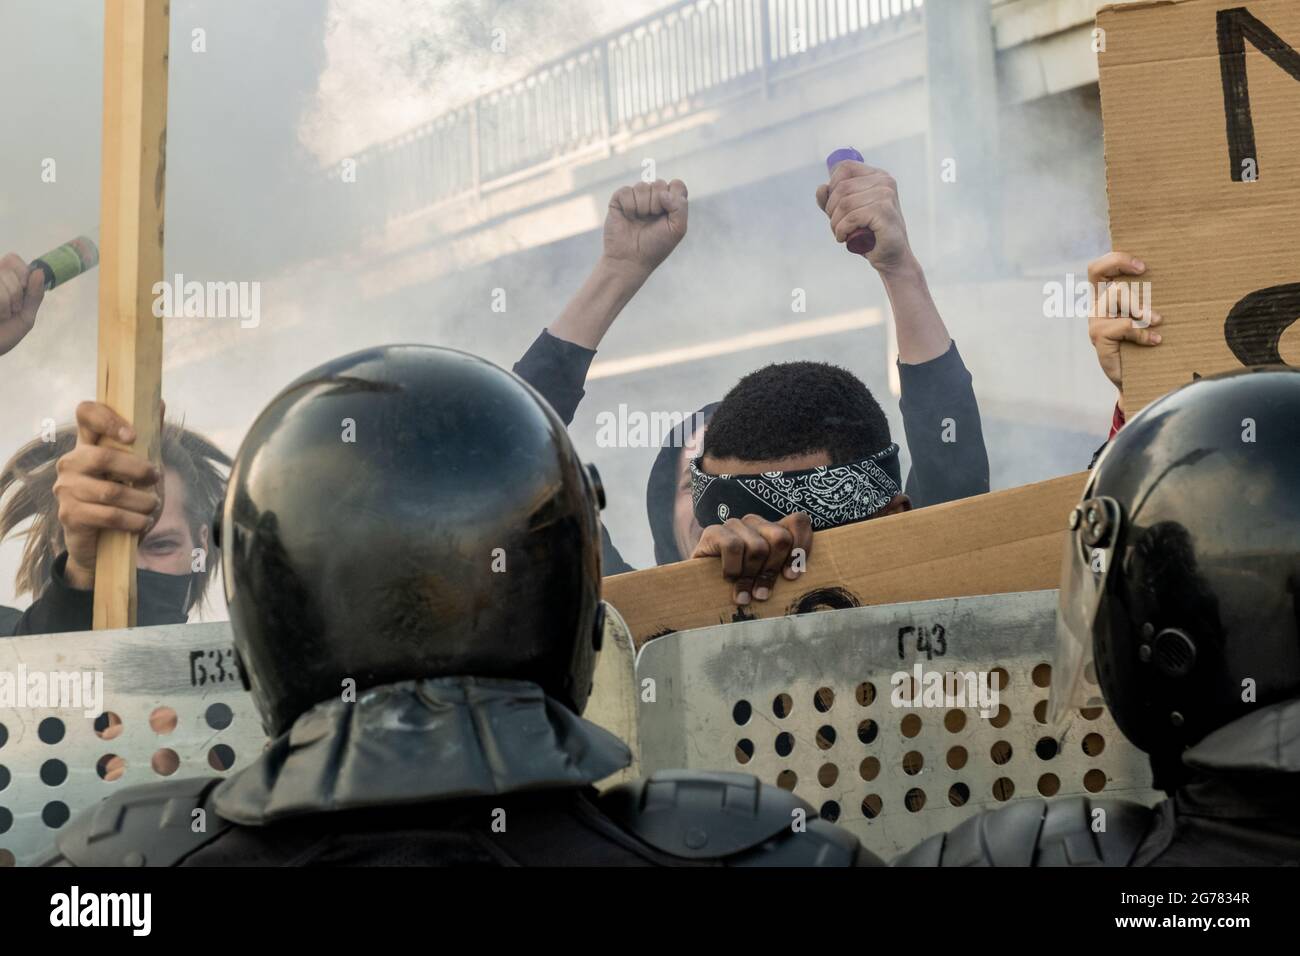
(644,223)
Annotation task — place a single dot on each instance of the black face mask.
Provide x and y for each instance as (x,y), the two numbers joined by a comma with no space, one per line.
(831,495)
(163,597)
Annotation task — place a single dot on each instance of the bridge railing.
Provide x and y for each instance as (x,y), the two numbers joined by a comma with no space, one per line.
(663,66)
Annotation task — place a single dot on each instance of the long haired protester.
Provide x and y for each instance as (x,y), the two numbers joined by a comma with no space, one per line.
(60,494)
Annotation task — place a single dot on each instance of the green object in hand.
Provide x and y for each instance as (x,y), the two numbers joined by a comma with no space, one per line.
(68,261)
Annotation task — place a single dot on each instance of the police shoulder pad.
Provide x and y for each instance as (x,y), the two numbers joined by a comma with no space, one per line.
(699,816)
(157,824)
(1072,831)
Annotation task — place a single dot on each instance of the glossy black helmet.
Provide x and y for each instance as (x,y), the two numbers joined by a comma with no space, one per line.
(407,512)
(1180,598)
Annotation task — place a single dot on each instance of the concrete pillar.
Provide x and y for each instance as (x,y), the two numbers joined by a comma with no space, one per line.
(964,174)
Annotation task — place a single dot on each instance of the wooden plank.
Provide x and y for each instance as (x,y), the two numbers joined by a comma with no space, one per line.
(991,544)
(131,259)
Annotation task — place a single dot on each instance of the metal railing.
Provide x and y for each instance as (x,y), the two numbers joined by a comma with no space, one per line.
(663,66)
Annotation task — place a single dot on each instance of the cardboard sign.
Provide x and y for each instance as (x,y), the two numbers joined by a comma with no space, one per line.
(1201,107)
(990,544)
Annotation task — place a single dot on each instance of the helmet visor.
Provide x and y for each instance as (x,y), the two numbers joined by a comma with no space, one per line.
(1085,568)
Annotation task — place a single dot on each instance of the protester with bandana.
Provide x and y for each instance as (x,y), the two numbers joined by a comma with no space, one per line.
(803,446)
(644,225)
(794,448)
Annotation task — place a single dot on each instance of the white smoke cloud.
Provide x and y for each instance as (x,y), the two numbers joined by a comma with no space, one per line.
(393,64)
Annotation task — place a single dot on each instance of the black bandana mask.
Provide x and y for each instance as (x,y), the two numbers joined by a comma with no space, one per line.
(830,495)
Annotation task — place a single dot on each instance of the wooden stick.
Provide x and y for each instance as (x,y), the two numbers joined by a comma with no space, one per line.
(131,259)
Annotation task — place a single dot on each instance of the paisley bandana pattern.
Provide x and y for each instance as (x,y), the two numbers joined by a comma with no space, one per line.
(830,495)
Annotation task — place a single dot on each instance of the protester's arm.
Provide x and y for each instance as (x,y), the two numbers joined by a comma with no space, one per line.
(558,370)
(945,436)
(941,417)
(61,607)
(21,295)
(860,196)
(1117,317)
(643,224)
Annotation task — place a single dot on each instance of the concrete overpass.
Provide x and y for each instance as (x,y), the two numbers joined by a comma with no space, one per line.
(510,191)
(534,162)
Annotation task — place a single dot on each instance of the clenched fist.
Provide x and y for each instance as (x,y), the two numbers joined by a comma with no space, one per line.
(645,223)
(860,196)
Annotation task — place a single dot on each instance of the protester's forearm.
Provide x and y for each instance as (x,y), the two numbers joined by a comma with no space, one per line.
(922,336)
(941,419)
(591,312)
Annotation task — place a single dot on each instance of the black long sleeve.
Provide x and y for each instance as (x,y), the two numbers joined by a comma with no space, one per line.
(60,608)
(9,618)
(941,419)
(558,370)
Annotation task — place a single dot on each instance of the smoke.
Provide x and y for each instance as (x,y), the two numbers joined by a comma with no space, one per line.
(286,88)
(391,64)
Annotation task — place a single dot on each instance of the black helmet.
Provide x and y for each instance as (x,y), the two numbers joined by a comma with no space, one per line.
(409,512)
(1182,568)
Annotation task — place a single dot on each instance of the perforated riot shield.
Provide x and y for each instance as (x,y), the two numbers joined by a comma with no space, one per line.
(833,706)
(830,705)
(173,704)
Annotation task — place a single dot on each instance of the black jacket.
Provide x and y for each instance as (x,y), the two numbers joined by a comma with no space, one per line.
(1239,806)
(452,771)
(558,370)
(62,608)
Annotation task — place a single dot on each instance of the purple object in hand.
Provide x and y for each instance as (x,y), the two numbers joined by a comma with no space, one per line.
(864,240)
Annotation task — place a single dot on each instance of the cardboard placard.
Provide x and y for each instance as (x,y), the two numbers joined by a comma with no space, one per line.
(990,544)
(1201,108)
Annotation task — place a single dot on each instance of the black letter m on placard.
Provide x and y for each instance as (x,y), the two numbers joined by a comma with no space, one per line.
(1236,26)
